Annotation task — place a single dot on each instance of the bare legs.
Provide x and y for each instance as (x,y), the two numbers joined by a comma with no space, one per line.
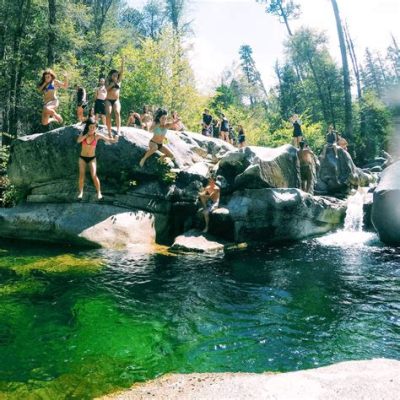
(93,173)
(103,118)
(79,114)
(297,140)
(224,136)
(50,115)
(116,107)
(152,149)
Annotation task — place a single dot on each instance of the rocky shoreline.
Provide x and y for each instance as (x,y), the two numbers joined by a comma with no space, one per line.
(377,379)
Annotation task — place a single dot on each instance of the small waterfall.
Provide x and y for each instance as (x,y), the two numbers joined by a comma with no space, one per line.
(355,213)
(352,235)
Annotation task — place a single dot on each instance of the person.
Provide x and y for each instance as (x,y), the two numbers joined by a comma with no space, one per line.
(134,120)
(215,128)
(100,101)
(209,199)
(308,163)
(48,86)
(224,128)
(177,124)
(146,118)
(159,129)
(341,141)
(89,139)
(113,86)
(81,102)
(241,137)
(232,136)
(297,132)
(331,140)
(207,123)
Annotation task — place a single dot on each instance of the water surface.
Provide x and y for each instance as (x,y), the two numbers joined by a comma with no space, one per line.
(78,325)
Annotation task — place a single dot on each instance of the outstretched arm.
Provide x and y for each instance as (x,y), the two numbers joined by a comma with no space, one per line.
(107,139)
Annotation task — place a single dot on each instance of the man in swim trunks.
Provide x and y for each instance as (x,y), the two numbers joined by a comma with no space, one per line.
(308,164)
(209,198)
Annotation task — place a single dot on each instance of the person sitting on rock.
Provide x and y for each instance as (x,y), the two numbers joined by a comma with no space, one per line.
(159,129)
(89,138)
(48,87)
(177,124)
(297,132)
(147,118)
(341,141)
(209,199)
(134,119)
(331,142)
(308,163)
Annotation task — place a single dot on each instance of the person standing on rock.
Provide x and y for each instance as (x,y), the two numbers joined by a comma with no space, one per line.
(297,132)
(308,164)
(89,139)
(331,142)
(341,141)
(207,123)
(209,199)
(241,137)
(48,86)
(224,128)
(81,102)
(159,129)
(100,101)
(112,103)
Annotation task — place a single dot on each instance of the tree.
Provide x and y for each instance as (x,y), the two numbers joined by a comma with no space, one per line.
(253,76)
(348,119)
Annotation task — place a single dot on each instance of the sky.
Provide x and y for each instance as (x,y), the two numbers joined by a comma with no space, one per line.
(220,27)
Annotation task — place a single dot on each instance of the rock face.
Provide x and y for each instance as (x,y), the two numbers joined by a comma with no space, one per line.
(339,174)
(276,215)
(90,225)
(261,167)
(258,200)
(385,208)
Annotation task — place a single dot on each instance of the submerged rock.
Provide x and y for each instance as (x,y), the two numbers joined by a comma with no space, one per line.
(385,208)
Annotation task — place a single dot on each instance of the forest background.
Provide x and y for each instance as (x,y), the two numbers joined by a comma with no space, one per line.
(87,38)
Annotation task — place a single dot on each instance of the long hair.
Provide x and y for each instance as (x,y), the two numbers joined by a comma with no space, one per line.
(159,113)
(113,71)
(89,121)
(45,72)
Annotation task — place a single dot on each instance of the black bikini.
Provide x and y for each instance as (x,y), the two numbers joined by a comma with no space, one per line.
(87,159)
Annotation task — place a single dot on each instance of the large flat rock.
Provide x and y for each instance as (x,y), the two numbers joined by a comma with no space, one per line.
(377,379)
(84,224)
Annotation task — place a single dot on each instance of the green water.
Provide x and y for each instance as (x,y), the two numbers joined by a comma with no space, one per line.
(78,325)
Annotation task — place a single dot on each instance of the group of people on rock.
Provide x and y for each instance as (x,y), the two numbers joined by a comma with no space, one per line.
(220,128)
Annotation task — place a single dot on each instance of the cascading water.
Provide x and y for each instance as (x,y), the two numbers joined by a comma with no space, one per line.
(352,234)
(355,214)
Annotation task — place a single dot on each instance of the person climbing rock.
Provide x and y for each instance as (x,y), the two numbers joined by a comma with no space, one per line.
(308,166)
(209,199)
(297,131)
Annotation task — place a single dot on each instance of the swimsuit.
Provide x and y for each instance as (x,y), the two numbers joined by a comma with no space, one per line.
(112,101)
(297,129)
(100,107)
(160,131)
(93,143)
(50,86)
(159,145)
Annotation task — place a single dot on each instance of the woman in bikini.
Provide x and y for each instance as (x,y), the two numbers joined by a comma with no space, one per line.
(89,138)
(113,86)
(100,101)
(48,87)
(159,129)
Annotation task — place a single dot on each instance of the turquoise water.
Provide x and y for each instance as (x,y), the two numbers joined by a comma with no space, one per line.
(78,325)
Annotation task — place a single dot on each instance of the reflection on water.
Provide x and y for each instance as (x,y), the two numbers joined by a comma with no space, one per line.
(65,334)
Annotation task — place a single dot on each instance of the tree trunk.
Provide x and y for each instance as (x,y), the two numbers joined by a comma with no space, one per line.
(52,33)
(285,19)
(353,56)
(348,120)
